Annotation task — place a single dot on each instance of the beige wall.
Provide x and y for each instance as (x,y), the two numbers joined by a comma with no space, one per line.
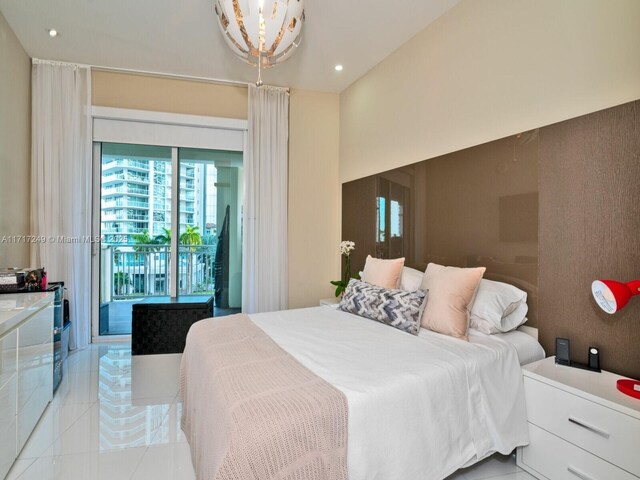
(161,94)
(314,197)
(15,146)
(485,70)
(314,188)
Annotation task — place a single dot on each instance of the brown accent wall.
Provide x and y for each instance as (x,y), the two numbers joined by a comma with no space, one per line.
(590,229)
(359,218)
(478,206)
(549,210)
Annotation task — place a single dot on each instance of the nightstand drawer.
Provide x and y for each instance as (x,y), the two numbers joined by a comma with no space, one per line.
(557,459)
(611,435)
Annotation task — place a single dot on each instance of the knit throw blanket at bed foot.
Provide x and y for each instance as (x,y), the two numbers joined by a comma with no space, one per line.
(250,411)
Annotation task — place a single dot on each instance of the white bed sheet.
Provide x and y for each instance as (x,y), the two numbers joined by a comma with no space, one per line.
(527,347)
(419,407)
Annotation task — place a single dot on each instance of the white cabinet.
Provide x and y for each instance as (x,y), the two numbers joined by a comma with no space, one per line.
(26,369)
(580,425)
(8,395)
(35,371)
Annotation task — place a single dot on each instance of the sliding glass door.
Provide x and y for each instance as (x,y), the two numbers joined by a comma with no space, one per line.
(210,234)
(143,208)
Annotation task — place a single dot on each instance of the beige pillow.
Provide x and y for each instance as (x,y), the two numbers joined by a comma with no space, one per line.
(383,273)
(451,294)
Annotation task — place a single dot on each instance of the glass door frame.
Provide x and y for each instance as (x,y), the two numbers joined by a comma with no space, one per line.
(142,127)
(95,253)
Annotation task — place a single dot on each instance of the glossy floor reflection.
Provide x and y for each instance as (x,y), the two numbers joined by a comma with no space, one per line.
(113,417)
(117,417)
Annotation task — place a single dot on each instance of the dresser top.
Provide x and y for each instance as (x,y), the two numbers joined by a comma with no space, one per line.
(16,307)
(597,387)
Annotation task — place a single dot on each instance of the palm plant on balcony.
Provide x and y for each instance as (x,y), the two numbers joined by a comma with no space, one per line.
(206,257)
(143,246)
(142,241)
(164,238)
(120,280)
(191,237)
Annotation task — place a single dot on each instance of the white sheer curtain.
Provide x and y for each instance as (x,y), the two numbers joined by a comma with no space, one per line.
(61,184)
(264,269)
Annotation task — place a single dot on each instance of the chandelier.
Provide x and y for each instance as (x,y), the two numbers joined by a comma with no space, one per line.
(263,33)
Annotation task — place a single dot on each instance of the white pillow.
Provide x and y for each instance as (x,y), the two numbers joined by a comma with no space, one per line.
(498,307)
(516,318)
(410,279)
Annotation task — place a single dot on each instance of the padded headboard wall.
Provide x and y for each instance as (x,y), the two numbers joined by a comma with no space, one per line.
(547,210)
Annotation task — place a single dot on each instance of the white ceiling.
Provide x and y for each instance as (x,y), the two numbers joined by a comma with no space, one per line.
(182,37)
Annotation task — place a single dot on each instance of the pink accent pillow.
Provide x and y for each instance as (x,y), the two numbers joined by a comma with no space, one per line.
(383,273)
(451,294)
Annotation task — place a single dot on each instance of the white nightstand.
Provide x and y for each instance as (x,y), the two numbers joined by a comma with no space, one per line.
(331,302)
(580,425)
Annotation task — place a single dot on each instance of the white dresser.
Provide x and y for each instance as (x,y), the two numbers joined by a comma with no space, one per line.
(581,427)
(26,368)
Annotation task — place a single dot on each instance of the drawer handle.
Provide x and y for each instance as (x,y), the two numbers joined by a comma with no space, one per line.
(588,426)
(579,474)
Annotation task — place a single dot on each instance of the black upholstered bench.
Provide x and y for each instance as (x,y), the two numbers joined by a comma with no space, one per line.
(160,324)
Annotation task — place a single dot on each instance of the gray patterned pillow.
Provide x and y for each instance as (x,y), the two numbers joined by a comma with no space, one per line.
(399,308)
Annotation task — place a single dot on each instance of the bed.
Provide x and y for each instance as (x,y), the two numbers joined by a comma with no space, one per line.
(419,407)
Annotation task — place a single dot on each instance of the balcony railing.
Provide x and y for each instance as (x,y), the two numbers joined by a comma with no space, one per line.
(129,176)
(125,162)
(115,228)
(122,215)
(130,202)
(134,271)
(129,188)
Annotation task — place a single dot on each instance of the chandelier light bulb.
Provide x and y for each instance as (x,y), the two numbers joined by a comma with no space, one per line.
(53,32)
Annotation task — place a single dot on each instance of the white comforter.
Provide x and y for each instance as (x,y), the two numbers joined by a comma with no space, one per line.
(419,407)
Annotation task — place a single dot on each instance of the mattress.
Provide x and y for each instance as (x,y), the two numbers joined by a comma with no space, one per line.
(420,407)
(527,347)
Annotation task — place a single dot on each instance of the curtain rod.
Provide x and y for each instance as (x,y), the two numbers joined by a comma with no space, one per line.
(102,68)
(58,63)
(148,73)
(181,77)
(175,76)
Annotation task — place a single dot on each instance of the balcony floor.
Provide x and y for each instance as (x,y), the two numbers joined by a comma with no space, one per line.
(120,316)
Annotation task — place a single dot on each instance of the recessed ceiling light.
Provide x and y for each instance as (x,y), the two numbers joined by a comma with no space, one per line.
(338,68)
(53,33)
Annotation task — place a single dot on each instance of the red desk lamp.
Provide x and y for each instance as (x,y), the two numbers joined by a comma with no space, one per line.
(611,296)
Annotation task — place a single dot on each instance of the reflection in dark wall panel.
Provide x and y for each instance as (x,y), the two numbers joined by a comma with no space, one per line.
(448,210)
(359,219)
(516,212)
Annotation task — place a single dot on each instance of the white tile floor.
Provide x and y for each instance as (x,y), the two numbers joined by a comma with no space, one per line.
(118,417)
